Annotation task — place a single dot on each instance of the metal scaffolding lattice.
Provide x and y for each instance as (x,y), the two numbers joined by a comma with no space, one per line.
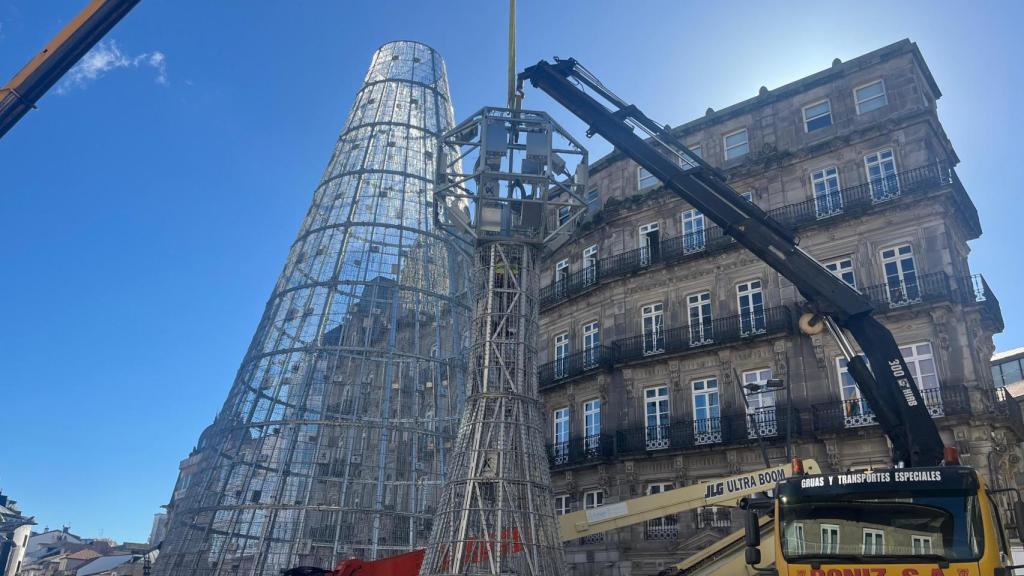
(496,515)
(334,437)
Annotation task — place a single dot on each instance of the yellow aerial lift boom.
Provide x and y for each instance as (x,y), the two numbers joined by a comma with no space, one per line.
(20,95)
(723,492)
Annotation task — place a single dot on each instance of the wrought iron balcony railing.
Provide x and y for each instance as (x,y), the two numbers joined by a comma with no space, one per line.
(894,295)
(983,295)
(581,450)
(1008,409)
(854,413)
(573,365)
(769,423)
(859,198)
(726,330)
(712,517)
(911,289)
(677,435)
(853,200)
(665,528)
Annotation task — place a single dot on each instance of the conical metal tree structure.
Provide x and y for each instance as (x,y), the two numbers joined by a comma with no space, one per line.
(496,516)
(334,438)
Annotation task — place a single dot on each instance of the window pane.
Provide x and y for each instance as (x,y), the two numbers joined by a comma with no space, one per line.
(816,110)
(645,179)
(870,97)
(737,138)
(1012,372)
(819,122)
(818,116)
(736,144)
(873,104)
(868,91)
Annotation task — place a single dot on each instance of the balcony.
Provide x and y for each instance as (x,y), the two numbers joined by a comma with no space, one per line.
(573,365)
(909,290)
(712,517)
(661,529)
(854,413)
(678,435)
(770,423)
(727,330)
(1008,410)
(581,450)
(862,197)
(983,295)
(851,201)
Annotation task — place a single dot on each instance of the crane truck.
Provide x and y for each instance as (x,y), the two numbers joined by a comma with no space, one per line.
(926,514)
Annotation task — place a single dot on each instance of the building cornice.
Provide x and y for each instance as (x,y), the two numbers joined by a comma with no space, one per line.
(767,97)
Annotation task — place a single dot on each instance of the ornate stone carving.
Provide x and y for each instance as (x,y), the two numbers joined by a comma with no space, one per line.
(832,451)
(630,388)
(940,319)
(734,462)
(781,359)
(679,468)
(818,344)
(630,474)
(570,482)
(999,442)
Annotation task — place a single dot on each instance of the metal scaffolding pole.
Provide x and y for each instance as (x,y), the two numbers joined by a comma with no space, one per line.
(334,438)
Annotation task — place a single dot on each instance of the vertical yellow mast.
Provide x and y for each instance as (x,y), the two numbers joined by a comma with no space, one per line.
(512,100)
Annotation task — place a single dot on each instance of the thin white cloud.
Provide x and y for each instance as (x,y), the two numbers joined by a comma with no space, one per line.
(107,56)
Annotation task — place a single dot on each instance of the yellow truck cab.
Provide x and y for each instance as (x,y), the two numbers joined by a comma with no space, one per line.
(937,521)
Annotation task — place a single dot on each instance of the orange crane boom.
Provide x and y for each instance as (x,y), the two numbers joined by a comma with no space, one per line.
(20,95)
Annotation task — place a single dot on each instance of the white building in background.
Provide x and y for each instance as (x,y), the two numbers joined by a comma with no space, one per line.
(15,530)
(1008,367)
(159,530)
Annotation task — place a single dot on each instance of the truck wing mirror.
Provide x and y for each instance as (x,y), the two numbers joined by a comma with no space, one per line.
(751,529)
(752,556)
(751,537)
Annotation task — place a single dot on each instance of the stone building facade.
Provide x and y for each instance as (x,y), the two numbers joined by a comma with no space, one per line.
(652,319)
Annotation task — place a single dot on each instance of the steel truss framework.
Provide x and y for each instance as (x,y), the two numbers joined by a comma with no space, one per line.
(496,515)
(334,438)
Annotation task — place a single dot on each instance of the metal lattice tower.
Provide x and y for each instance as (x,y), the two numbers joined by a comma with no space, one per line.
(496,515)
(334,438)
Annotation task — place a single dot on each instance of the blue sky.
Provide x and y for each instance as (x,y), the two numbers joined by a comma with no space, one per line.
(145,212)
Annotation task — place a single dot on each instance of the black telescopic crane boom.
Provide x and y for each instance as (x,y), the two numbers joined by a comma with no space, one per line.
(890,389)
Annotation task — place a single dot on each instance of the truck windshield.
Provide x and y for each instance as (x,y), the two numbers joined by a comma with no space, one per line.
(887,528)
